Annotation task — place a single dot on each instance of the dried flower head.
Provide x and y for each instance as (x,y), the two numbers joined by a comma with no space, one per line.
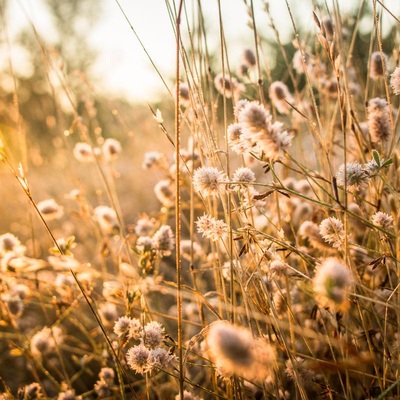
(237,142)
(45,341)
(152,158)
(209,181)
(121,327)
(163,240)
(11,244)
(50,210)
(378,120)
(332,231)
(31,392)
(280,97)
(244,175)
(153,334)
(378,65)
(144,225)
(211,228)
(227,86)
(108,312)
(136,358)
(107,375)
(165,193)
(135,329)
(332,283)
(234,350)
(83,152)
(383,220)
(161,358)
(353,175)
(395,81)
(106,218)
(68,395)
(111,149)
(248,57)
(184,94)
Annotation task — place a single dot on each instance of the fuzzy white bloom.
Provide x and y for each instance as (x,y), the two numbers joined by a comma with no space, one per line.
(332,231)
(395,81)
(160,358)
(136,358)
(163,240)
(10,243)
(135,329)
(248,57)
(153,158)
(236,140)
(184,94)
(106,218)
(209,181)
(244,175)
(280,97)
(383,220)
(83,152)
(144,225)
(45,341)
(121,326)
(211,228)
(227,86)
(353,175)
(153,334)
(50,210)
(378,65)
(332,283)
(165,193)
(234,350)
(111,149)
(378,120)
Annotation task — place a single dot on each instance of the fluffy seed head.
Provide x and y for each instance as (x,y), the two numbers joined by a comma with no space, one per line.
(160,358)
(353,175)
(378,65)
(211,228)
(248,57)
(136,358)
(395,81)
(163,240)
(298,371)
(50,210)
(10,243)
(208,181)
(332,283)
(280,95)
(107,219)
(234,350)
(332,231)
(111,149)
(107,375)
(378,120)
(165,193)
(226,85)
(83,152)
(153,334)
(135,329)
(121,327)
(383,220)
(244,175)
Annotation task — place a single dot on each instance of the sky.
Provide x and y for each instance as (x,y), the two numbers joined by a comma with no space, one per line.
(122,66)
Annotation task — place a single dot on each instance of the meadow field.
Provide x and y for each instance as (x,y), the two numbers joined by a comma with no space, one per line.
(235,239)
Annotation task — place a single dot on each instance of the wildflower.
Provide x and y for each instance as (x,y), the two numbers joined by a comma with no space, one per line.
(297,371)
(145,244)
(102,389)
(309,230)
(111,148)
(136,358)
(383,220)
(14,304)
(135,329)
(83,152)
(163,240)
(153,158)
(45,341)
(10,243)
(184,94)
(50,210)
(244,175)
(254,118)
(153,334)
(234,350)
(249,59)
(164,193)
(371,168)
(32,391)
(236,140)
(280,96)
(211,228)
(332,231)
(378,120)
(208,181)
(353,175)
(378,65)
(144,226)
(228,86)
(239,106)
(121,327)
(332,283)
(107,375)
(299,58)
(160,358)
(106,218)
(395,81)
(68,395)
